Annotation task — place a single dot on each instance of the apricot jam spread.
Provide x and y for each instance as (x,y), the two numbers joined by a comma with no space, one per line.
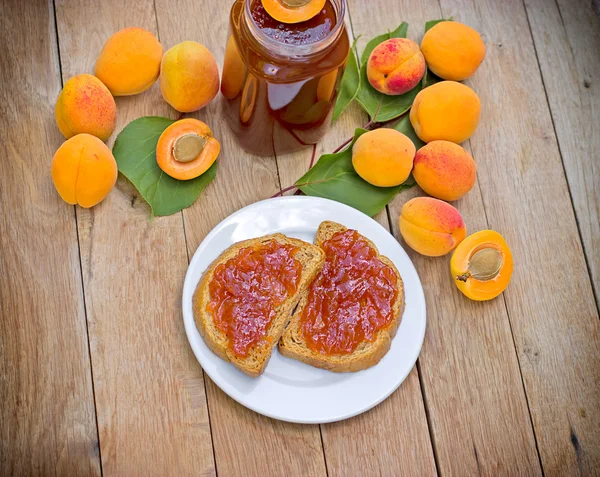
(246,289)
(352,297)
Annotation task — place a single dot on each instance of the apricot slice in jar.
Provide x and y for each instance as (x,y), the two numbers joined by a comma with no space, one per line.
(482,265)
(186,149)
(293,11)
(248,101)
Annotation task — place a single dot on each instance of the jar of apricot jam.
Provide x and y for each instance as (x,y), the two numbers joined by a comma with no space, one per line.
(280,80)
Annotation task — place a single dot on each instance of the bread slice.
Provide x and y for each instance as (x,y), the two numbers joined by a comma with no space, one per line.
(311,258)
(368,353)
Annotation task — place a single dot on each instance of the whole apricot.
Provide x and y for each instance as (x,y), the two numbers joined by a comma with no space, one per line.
(85,105)
(453,51)
(431,227)
(445,111)
(84,170)
(482,265)
(186,149)
(189,77)
(383,157)
(234,70)
(129,63)
(395,66)
(444,170)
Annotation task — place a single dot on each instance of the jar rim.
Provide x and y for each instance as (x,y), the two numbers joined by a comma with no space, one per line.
(293,50)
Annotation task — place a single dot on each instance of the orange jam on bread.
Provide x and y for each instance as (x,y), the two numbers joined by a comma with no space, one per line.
(351,299)
(246,290)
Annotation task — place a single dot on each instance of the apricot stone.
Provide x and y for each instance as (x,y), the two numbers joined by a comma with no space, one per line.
(453,51)
(395,66)
(431,227)
(84,170)
(383,157)
(85,105)
(445,111)
(129,63)
(189,77)
(444,170)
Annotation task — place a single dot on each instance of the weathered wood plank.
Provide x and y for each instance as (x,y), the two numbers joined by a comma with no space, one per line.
(469,370)
(152,412)
(550,301)
(567,40)
(245,443)
(47,420)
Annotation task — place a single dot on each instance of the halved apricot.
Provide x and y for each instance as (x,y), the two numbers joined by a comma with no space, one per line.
(248,101)
(186,149)
(293,11)
(482,265)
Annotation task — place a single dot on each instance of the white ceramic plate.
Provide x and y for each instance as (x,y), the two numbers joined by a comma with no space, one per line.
(290,390)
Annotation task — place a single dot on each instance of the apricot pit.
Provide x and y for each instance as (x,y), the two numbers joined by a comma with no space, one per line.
(188,147)
(293,11)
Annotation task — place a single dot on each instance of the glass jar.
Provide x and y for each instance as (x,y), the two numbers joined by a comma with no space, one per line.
(280,84)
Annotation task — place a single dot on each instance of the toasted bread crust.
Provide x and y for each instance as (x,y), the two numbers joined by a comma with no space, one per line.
(312,259)
(367,354)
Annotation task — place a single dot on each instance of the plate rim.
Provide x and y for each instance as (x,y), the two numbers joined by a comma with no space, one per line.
(190,326)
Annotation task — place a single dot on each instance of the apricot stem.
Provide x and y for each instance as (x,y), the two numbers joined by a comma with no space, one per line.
(485,264)
(188,147)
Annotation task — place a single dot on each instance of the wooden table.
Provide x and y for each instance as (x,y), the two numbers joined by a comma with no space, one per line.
(96,374)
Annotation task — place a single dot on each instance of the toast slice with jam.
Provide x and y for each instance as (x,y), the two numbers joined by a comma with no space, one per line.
(316,339)
(227,320)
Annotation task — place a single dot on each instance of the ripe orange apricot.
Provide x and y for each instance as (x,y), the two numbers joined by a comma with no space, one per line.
(383,157)
(444,170)
(85,105)
(293,11)
(129,63)
(189,77)
(186,149)
(234,70)
(482,265)
(84,170)
(395,66)
(446,110)
(453,51)
(431,227)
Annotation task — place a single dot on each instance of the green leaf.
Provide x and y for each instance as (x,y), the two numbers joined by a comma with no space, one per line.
(349,85)
(429,78)
(135,153)
(333,177)
(431,23)
(405,127)
(375,103)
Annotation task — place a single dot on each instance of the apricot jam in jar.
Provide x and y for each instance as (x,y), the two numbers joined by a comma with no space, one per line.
(280,80)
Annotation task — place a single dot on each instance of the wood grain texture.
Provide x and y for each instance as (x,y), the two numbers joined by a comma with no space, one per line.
(550,301)
(567,40)
(152,412)
(469,370)
(393,438)
(245,443)
(47,420)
